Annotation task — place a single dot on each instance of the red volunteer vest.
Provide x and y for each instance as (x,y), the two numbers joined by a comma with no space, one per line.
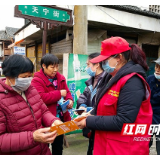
(111,142)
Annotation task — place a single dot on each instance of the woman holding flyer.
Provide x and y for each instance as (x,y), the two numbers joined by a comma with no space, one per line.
(52,88)
(123,97)
(23,114)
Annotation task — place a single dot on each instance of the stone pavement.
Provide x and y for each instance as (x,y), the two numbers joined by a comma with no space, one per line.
(153,148)
(78,145)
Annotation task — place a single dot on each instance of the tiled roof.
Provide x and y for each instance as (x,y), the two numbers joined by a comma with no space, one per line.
(133,9)
(4,36)
(8,33)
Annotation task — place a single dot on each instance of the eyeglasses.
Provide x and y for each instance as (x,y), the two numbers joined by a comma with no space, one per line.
(108,59)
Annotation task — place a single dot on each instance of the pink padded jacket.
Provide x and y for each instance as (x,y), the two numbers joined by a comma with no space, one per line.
(18,121)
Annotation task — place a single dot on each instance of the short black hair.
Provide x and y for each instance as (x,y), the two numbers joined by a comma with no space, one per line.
(49,59)
(93,55)
(16,64)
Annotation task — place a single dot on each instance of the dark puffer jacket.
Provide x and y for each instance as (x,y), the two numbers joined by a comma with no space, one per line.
(18,121)
(85,97)
(155,97)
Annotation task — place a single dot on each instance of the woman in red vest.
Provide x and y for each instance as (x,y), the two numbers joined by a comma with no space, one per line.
(123,97)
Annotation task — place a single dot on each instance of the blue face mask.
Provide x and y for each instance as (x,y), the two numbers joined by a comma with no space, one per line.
(157,76)
(106,67)
(90,72)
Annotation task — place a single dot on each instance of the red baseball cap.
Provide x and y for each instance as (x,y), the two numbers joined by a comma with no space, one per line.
(111,46)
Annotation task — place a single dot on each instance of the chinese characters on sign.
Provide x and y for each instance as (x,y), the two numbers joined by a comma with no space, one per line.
(44,12)
(19,50)
(72,88)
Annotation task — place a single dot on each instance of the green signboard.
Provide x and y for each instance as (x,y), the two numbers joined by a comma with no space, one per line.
(44,12)
(76,77)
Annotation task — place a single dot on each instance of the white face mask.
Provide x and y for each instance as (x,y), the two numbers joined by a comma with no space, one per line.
(157,76)
(21,84)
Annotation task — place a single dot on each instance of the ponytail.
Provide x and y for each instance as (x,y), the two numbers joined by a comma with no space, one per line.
(138,56)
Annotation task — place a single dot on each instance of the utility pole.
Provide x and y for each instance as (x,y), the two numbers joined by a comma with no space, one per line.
(44,38)
(80,29)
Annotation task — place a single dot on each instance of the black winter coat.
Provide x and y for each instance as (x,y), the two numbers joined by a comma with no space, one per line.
(155,97)
(131,96)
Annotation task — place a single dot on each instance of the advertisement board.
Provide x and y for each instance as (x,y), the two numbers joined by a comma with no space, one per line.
(76,77)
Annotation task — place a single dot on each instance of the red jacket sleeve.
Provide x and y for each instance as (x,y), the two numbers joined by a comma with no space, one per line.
(49,97)
(47,117)
(13,142)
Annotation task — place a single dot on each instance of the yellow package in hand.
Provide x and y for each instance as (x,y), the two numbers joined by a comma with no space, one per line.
(64,127)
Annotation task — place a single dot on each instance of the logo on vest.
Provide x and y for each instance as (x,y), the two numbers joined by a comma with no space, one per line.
(113,93)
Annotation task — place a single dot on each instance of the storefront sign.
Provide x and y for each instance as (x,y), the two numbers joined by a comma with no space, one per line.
(20,50)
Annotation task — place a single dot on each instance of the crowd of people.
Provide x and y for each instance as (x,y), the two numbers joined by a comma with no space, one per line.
(117,92)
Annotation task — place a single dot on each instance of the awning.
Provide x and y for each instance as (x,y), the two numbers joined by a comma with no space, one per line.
(15,43)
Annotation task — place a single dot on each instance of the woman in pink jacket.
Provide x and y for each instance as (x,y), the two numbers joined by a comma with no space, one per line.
(52,86)
(23,114)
